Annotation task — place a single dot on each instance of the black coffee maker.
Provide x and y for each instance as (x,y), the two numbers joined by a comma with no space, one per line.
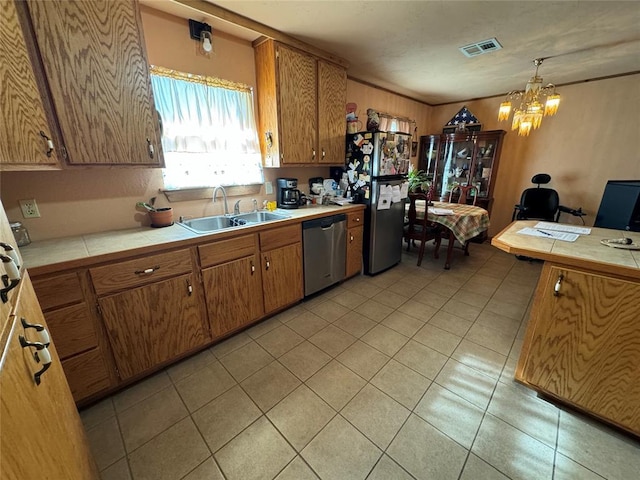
(287,193)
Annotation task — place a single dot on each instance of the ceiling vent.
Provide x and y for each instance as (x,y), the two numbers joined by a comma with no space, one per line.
(485,46)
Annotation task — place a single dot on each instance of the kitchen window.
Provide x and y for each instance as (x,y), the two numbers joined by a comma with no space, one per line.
(209,135)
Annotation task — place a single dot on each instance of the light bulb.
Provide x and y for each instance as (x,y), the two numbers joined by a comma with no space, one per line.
(205,42)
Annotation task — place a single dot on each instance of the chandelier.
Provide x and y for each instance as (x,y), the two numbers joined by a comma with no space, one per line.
(531,110)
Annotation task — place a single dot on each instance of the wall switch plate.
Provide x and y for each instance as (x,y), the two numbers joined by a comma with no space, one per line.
(29,208)
(268,188)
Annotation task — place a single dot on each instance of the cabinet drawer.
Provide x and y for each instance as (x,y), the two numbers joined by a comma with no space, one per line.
(140,271)
(86,373)
(60,290)
(72,329)
(227,250)
(279,237)
(355,219)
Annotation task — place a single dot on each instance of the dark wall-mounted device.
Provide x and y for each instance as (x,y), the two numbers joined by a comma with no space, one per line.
(620,206)
(196,29)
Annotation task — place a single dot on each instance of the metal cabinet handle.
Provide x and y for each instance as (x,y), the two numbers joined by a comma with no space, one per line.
(147,271)
(556,288)
(45,357)
(253,268)
(11,279)
(41,354)
(150,148)
(11,252)
(49,143)
(323,153)
(350,238)
(189,288)
(313,153)
(267,263)
(42,332)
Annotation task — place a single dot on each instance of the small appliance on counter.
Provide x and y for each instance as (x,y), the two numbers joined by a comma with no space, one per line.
(287,193)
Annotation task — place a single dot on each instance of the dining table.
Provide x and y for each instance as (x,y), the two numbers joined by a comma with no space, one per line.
(459,222)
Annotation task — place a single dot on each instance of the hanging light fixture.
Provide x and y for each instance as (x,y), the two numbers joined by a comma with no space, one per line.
(531,110)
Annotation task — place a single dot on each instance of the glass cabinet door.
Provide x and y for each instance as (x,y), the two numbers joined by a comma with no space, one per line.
(485,155)
(455,163)
(429,154)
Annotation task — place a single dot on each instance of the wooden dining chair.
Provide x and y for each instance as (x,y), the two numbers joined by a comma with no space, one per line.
(465,192)
(420,229)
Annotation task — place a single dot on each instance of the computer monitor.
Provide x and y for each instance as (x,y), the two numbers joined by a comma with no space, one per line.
(620,206)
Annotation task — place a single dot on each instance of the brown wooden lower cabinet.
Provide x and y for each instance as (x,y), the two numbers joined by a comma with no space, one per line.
(354,251)
(282,283)
(87,374)
(152,324)
(582,344)
(233,293)
(41,432)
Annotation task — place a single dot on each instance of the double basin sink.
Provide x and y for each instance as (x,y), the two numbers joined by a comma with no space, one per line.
(222,222)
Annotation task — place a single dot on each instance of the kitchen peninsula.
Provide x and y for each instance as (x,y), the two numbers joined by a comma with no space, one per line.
(582,345)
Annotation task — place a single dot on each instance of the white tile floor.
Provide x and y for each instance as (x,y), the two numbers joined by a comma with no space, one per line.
(404,375)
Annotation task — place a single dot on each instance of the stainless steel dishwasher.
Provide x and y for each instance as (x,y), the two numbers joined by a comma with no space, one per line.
(324,242)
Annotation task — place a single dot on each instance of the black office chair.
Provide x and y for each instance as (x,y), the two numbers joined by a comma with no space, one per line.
(541,203)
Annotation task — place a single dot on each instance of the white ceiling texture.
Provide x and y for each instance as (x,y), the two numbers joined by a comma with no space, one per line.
(412,47)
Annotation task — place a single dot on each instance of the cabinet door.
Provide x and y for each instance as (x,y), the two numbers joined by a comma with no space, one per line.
(42,435)
(233,292)
(99,79)
(354,251)
(485,165)
(23,110)
(332,92)
(153,324)
(282,276)
(298,106)
(582,346)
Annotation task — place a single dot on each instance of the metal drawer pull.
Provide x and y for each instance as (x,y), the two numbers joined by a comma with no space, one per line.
(45,357)
(150,148)
(11,252)
(43,334)
(253,268)
(313,153)
(556,289)
(49,143)
(267,264)
(189,288)
(147,271)
(24,343)
(350,238)
(323,153)
(11,279)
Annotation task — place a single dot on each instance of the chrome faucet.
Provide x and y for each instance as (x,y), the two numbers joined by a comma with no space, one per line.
(255,204)
(236,208)
(224,197)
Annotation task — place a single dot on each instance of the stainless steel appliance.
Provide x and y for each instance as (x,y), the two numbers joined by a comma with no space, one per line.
(287,193)
(324,242)
(379,162)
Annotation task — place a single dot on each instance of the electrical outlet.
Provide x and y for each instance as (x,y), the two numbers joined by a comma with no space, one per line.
(29,208)
(268,188)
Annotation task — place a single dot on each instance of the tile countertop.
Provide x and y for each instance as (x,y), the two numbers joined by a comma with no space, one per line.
(72,252)
(585,252)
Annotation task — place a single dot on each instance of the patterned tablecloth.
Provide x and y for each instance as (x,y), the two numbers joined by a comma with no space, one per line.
(466,222)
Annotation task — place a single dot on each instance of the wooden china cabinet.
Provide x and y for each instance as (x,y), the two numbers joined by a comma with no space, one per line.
(470,158)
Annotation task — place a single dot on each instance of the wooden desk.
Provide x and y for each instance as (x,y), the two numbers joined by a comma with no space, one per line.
(466,222)
(582,341)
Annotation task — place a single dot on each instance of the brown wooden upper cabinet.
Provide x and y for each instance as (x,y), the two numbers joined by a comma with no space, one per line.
(25,127)
(301,104)
(90,57)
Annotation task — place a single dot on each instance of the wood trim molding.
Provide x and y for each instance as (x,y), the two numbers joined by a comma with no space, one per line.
(231,17)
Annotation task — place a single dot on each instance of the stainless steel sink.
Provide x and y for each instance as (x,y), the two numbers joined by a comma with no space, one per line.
(207,224)
(258,217)
(221,222)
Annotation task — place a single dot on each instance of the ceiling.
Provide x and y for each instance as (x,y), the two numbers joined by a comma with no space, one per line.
(412,47)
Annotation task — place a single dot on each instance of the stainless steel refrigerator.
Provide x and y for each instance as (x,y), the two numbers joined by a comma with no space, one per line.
(378,163)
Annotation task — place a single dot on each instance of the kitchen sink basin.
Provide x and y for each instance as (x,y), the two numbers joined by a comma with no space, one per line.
(221,222)
(258,217)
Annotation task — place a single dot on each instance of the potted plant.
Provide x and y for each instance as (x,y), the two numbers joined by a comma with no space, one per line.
(160,217)
(419,181)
